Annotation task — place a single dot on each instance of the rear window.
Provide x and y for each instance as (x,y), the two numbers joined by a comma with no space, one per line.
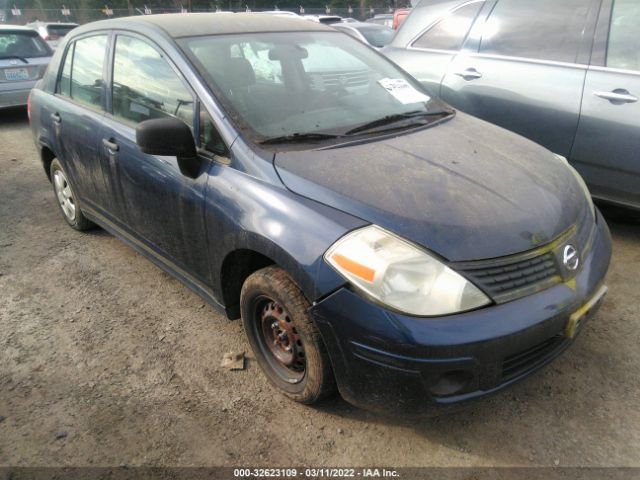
(19,44)
(59,30)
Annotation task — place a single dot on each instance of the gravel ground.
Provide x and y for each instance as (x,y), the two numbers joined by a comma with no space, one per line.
(106,360)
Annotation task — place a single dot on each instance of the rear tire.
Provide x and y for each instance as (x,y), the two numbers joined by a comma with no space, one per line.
(67,198)
(284,338)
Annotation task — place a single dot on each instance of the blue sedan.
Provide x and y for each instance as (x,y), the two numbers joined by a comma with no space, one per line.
(371,238)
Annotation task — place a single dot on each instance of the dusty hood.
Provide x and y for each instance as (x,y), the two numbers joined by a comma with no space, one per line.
(464,189)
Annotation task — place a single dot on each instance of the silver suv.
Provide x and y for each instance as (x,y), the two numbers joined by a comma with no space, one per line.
(24,57)
(565,74)
(52,32)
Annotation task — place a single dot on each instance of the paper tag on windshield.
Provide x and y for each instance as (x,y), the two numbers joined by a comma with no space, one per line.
(403,91)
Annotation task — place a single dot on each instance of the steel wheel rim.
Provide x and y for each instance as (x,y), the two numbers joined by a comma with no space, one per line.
(280,341)
(65,195)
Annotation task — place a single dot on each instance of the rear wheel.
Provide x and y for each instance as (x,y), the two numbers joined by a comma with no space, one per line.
(67,199)
(283,336)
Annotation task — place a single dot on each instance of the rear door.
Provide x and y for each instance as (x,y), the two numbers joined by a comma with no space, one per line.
(607,147)
(528,69)
(76,112)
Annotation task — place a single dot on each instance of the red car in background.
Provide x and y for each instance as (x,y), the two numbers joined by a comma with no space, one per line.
(399,16)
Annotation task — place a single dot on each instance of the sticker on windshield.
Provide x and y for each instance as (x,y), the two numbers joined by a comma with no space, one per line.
(403,91)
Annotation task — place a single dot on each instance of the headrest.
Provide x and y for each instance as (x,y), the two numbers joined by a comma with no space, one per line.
(240,73)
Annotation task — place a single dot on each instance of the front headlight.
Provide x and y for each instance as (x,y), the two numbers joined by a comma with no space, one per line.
(401,275)
(582,184)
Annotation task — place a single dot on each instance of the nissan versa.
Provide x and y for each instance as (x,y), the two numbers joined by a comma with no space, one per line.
(370,238)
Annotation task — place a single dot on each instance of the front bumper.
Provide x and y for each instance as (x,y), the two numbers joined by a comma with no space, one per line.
(385,361)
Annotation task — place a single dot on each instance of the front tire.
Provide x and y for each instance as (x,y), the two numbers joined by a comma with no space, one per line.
(283,337)
(67,199)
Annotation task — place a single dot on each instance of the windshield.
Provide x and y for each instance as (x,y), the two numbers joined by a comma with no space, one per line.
(378,37)
(24,45)
(303,83)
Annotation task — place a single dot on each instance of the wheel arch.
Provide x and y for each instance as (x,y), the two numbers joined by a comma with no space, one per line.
(46,157)
(250,256)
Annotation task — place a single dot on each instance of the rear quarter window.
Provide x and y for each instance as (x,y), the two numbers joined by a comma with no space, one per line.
(451,31)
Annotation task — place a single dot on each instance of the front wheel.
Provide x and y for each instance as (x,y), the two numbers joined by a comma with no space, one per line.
(283,336)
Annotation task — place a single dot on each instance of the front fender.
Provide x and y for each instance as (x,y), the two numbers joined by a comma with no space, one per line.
(247,213)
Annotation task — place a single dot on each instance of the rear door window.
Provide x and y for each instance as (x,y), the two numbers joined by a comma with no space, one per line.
(544,29)
(25,45)
(450,32)
(624,37)
(86,70)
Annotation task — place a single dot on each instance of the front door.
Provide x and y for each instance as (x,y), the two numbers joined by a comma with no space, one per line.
(607,147)
(161,206)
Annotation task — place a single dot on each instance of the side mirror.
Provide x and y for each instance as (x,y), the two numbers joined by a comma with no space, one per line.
(166,136)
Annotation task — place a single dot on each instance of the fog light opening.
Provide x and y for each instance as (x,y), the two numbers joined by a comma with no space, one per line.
(451,383)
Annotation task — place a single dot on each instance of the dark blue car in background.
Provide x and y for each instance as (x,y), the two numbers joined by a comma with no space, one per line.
(370,238)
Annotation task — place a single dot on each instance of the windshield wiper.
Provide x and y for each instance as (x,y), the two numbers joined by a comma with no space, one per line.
(300,138)
(395,118)
(18,57)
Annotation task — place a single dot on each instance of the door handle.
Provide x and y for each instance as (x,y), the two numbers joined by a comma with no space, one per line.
(618,96)
(469,74)
(56,118)
(110,144)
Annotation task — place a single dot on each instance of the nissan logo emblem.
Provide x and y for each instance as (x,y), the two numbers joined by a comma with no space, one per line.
(570,257)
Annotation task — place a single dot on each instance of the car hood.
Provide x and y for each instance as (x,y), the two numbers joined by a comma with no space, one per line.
(464,189)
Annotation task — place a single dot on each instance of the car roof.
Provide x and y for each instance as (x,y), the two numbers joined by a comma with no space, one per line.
(279,12)
(55,24)
(179,25)
(16,28)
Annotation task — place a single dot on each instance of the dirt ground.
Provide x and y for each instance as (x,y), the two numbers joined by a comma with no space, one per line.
(106,360)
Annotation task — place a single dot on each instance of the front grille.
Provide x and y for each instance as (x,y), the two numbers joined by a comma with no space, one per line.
(521,362)
(354,78)
(513,278)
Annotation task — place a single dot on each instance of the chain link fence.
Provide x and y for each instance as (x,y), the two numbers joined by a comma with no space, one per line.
(23,16)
